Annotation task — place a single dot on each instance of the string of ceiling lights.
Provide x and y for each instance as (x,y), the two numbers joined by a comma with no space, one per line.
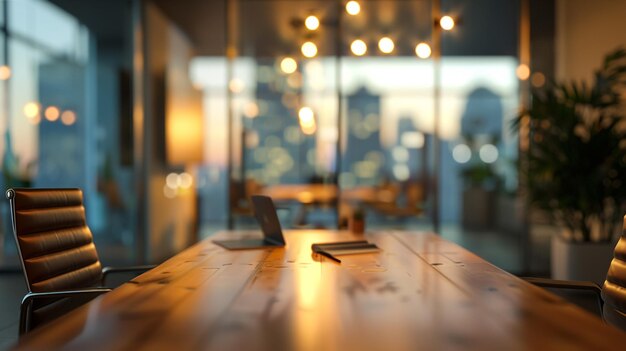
(359,47)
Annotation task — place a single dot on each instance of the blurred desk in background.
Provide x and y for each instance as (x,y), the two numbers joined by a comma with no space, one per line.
(392,200)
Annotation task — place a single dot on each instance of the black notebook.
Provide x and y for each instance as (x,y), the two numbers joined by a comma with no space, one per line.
(345,247)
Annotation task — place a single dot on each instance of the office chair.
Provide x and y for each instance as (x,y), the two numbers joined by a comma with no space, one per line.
(611,296)
(614,288)
(58,256)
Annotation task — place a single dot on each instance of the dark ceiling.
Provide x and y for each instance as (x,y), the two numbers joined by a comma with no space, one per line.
(204,22)
(109,20)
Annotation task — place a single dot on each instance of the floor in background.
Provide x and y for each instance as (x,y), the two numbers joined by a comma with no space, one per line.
(12,289)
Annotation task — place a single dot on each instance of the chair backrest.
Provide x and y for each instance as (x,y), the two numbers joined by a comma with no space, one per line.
(614,288)
(54,243)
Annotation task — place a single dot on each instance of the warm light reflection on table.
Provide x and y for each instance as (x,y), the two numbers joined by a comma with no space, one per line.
(419,292)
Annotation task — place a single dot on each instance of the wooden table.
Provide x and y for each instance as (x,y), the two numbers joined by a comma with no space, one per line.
(420,292)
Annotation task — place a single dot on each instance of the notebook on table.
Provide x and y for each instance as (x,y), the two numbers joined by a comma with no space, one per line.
(266,216)
(345,247)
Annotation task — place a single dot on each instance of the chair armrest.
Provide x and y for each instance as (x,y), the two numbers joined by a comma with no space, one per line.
(31,296)
(139,269)
(66,293)
(564,284)
(569,284)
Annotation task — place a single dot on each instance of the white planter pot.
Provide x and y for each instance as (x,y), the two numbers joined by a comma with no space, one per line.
(580,261)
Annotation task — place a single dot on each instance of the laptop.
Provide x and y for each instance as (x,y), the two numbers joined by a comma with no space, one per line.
(265,214)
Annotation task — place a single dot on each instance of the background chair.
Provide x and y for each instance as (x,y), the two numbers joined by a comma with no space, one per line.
(400,201)
(614,288)
(58,256)
(611,297)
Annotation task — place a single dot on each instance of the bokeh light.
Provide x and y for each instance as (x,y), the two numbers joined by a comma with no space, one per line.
(358,47)
(538,79)
(52,113)
(31,109)
(353,8)
(312,23)
(461,153)
(446,23)
(307,120)
(522,71)
(68,117)
(386,45)
(488,153)
(288,65)
(309,49)
(5,72)
(422,50)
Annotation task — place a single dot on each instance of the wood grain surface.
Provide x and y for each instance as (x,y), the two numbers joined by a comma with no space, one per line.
(420,292)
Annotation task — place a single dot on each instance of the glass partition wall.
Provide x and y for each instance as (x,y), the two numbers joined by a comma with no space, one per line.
(374,108)
(370,108)
(327,118)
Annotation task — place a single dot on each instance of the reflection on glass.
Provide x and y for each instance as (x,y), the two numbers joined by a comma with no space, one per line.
(537,79)
(522,72)
(68,117)
(5,72)
(52,113)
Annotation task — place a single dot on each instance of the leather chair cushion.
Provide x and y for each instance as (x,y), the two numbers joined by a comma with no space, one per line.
(614,288)
(56,245)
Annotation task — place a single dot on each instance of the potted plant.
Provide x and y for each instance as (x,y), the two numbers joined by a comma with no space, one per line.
(357,221)
(576,166)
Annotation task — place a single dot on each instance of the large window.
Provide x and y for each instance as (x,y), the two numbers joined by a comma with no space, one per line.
(61,118)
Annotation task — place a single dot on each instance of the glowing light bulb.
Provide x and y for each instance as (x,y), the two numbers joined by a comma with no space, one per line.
(309,49)
(386,45)
(353,8)
(358,47)
(288,65)
(446,23)
(312,23)
(422,50)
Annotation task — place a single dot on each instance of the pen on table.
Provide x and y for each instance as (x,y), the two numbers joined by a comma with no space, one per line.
(326,254)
